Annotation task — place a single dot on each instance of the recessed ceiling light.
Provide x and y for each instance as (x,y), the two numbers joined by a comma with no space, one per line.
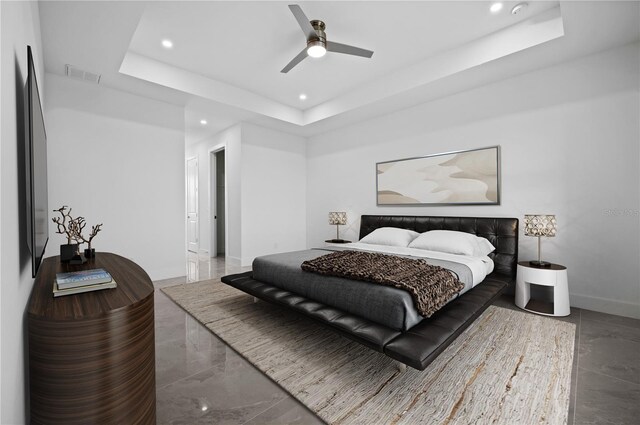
(203,122)
(496,7)
(303,96)
(519,8)
(167,44)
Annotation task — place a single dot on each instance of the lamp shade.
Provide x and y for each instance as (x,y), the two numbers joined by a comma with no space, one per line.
(540,225)
(338,217)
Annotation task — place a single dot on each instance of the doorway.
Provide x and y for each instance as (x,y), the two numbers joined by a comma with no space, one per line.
(218,203)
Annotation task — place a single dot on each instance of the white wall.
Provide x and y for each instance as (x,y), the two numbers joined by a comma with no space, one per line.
(233,174)
(20,26)
(273,192)
(118,159)
(570,146)
(266,191)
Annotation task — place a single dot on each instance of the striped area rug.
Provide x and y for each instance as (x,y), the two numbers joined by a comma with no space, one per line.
(508,367)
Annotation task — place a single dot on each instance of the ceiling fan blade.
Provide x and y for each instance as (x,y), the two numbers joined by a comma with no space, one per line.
(348,50)
(295,61)
(303,21)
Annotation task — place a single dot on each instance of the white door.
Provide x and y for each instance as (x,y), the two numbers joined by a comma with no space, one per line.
(192,204)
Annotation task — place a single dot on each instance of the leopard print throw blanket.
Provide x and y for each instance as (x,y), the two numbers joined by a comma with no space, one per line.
(430,286)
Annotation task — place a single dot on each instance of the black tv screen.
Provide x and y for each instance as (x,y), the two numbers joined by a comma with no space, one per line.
(36,170)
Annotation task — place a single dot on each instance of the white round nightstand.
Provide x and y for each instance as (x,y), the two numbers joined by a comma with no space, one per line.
(336,242)
(554,276)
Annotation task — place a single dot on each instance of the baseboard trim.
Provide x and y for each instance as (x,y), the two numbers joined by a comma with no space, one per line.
(246,262)
(606,305)
(232,261)
(168,273)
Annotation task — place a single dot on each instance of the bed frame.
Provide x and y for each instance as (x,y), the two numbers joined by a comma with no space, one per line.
(420,345)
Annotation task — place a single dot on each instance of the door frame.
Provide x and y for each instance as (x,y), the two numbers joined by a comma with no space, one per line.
(186,202)
(213,226)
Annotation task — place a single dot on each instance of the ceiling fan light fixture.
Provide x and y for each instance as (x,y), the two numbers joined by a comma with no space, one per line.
(316,49)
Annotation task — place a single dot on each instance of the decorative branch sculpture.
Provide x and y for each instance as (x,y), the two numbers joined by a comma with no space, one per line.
(94,231)
(73,227)
(61,222)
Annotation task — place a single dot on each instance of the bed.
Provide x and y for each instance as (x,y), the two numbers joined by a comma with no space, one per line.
(388,324)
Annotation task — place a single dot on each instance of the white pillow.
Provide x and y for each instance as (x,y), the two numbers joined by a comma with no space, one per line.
(453,242)
(484,247)
(390,236)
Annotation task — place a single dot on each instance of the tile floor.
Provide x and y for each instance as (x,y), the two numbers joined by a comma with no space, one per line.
(200,380)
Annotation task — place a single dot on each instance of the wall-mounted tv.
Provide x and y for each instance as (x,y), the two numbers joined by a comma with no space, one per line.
(36,169)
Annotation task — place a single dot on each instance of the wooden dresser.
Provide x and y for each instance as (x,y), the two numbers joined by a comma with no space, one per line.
(92,355)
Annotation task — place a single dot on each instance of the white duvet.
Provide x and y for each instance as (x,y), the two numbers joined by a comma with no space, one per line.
(480,266)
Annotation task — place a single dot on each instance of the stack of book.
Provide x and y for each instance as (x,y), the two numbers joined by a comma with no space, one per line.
(82,281)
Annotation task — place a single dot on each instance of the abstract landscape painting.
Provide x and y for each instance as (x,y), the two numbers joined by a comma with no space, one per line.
(456,178)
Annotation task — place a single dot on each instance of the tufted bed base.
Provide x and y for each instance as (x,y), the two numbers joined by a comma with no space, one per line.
(421,344)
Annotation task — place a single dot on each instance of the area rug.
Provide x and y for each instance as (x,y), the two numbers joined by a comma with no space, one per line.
(508,367)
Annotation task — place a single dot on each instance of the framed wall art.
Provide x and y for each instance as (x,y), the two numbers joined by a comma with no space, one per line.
(469,177)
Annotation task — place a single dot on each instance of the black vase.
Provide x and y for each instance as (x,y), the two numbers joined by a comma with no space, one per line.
(68,251)
(90,253)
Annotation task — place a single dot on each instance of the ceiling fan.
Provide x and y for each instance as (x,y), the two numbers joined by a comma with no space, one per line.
(317,43)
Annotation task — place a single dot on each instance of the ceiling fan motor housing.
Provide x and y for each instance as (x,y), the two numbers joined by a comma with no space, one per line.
(321,40)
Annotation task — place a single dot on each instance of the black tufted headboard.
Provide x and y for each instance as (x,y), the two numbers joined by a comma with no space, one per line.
(501,232)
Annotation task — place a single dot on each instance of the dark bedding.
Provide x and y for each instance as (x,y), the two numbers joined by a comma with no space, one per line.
(431,287)
(388,306)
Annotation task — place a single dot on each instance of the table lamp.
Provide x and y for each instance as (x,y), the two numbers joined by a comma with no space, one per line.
(339,218)
(540,225)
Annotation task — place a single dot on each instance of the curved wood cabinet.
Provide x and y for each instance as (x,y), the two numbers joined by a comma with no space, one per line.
(92,355)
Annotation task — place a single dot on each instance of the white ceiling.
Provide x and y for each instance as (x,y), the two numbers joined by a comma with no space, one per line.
(226,60)
(246,44)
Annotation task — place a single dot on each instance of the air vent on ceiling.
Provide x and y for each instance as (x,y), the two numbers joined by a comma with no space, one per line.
(73,72)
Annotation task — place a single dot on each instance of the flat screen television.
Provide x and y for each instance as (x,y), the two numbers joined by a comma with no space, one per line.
(37,202)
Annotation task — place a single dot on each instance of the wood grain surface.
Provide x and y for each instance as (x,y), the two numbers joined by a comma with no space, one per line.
(92,355)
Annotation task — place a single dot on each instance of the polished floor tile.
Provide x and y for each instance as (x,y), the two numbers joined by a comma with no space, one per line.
(202,268)
(610,350)
(180,356)
(605,400)
(228,393)
(200,380)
